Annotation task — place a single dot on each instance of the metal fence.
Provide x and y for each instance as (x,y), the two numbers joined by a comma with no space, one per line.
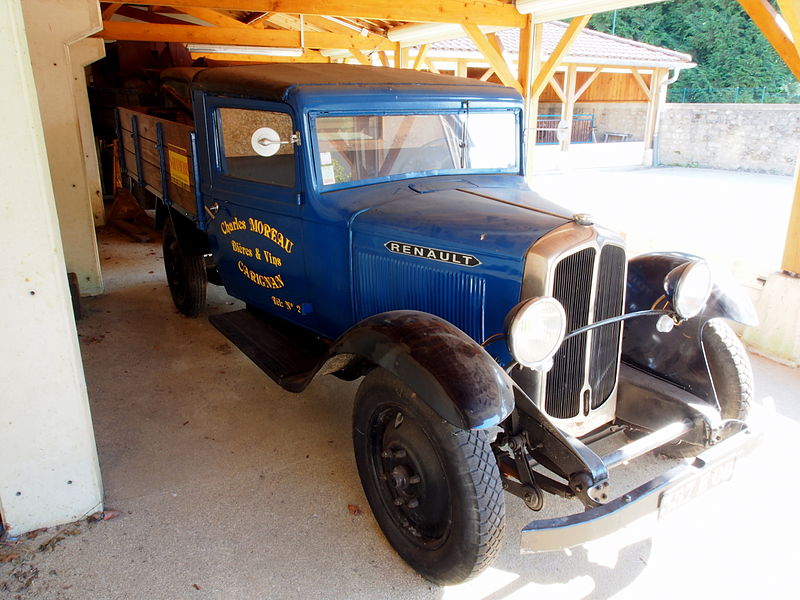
(582,129)
(733,95)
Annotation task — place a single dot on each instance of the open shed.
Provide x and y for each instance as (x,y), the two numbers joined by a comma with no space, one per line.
(52,196)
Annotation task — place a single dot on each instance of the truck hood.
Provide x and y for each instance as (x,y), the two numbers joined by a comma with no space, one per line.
(460,216)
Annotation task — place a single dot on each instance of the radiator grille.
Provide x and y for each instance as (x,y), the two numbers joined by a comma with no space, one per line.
(391,283)
(605,340)
(572,286)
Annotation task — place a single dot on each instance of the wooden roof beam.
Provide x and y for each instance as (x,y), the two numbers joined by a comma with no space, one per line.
(767,19)
(640,80)
(559,53)
(492,55)
(110,8)
(242,36)
(213,17)
(478,12)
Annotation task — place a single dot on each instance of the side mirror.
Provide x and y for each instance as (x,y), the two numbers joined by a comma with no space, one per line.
(265,141)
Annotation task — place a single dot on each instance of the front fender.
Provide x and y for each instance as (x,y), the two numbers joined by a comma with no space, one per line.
(677,356)
(438,361)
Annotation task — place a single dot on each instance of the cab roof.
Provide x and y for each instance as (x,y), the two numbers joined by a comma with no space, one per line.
(275,81)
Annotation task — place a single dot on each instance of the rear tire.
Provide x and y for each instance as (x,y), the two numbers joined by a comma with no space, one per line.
(186,274)
(434,489)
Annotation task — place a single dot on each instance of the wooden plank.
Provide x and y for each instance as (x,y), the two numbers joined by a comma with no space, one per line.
(495,58)
(487,74)
(384,58)
(248,36)
(419,60)
(432,66)
(479,12)
(766,18)
(147,16)
(559,53)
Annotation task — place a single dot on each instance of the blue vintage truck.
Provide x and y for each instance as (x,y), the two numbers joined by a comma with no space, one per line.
(377,224)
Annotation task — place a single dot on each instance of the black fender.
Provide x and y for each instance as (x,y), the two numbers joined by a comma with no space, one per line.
(439,362)
(677,356)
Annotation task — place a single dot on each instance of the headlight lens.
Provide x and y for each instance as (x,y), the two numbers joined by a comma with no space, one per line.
(534,331)
(688,287)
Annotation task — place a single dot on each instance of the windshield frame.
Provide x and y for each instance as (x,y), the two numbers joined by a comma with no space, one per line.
(466,110)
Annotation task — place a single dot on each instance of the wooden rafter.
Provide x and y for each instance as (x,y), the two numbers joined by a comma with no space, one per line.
(360,56)
(486,74)
(245,36)
(559,53)
(419,60)
(432,66)
(557,88)
(767,19)
(110,9)
(640,80)
(213,17)
(581,90)
(147,16)
(478,12)
(492,55)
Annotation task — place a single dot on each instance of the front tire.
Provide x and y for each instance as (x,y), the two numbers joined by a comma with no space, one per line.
(434,489)
(731,375)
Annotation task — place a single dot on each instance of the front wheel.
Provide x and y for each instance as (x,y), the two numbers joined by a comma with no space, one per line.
(434,489)
(731,375)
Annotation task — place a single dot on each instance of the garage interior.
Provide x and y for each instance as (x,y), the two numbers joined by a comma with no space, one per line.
(180,415)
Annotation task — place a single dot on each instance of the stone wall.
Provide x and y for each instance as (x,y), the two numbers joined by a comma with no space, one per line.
(614,117)
(749,137)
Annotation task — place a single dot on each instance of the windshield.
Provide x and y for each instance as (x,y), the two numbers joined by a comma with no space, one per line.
(363,147)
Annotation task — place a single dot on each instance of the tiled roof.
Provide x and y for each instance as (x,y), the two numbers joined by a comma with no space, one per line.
(590,47)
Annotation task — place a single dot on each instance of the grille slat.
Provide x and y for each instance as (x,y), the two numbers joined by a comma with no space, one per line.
(605,340)
(572,286)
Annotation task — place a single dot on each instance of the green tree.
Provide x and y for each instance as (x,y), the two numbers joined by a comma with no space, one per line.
(729,49)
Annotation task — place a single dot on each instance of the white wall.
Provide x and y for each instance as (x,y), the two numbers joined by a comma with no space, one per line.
(52,27)
(49,472)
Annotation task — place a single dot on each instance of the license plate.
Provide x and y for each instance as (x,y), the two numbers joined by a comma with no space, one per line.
(686,491)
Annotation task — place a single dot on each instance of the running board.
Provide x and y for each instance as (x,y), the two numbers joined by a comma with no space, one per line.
(287,353)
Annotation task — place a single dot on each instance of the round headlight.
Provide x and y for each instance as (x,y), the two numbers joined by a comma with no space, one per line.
(534,331)
(688,287)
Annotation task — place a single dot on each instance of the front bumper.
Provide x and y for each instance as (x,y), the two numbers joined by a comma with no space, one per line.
(654,498)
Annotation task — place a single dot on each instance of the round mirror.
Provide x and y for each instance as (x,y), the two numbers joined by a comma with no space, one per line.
(265,141)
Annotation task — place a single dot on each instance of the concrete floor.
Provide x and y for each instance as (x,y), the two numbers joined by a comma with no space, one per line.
(229,487)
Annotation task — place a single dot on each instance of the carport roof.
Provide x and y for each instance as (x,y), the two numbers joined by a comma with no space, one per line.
(590,47)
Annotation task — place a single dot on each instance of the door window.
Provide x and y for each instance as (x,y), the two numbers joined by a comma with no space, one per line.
(257,146)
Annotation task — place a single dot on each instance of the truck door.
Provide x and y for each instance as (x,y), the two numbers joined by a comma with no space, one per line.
(256,233)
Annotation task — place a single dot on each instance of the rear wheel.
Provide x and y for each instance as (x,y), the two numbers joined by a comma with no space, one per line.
(186,274)
(434,489)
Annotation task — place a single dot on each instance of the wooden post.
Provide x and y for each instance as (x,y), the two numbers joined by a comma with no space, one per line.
(532,105)
(658,96)
(791,252)
(569,104)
